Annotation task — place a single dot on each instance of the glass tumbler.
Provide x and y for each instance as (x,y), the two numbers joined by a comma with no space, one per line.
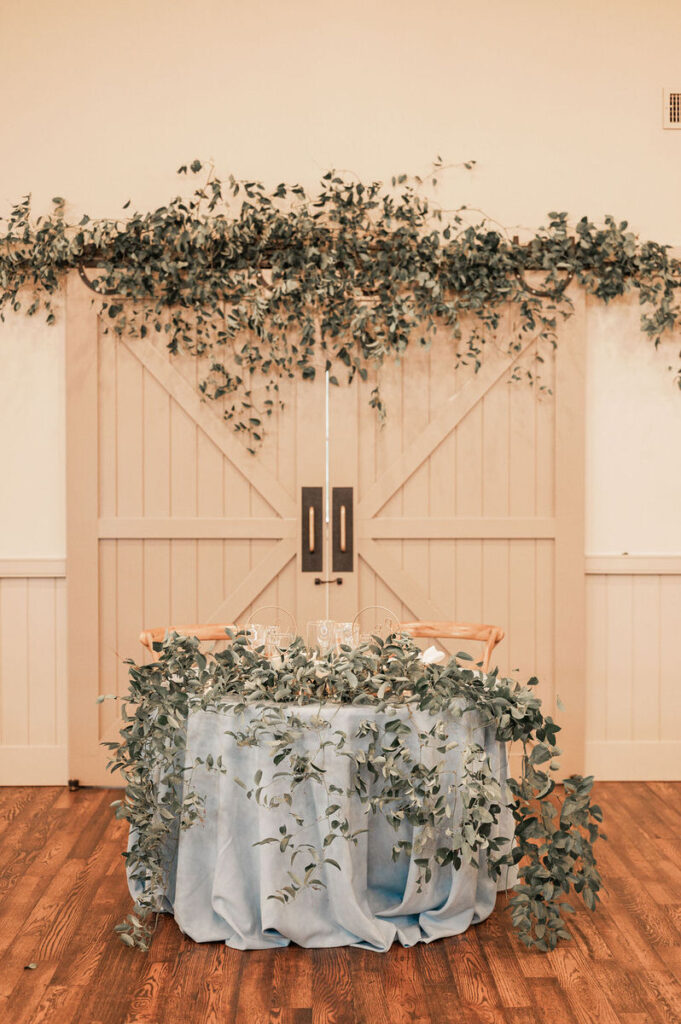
(320,635)
(346,634)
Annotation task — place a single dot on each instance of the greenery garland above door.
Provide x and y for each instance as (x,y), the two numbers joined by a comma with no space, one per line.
(269,284)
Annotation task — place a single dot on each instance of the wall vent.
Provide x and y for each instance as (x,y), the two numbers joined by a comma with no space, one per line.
(671,111)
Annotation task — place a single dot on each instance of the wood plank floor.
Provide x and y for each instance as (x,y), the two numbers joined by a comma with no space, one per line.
(62,888)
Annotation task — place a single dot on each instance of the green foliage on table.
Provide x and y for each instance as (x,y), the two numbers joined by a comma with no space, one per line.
(269,284)
(554,839)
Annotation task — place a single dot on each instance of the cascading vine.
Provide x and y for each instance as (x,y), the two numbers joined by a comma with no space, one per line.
(398,769)
(264,285)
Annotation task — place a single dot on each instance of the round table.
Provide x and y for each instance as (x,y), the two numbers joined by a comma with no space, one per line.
(220,883)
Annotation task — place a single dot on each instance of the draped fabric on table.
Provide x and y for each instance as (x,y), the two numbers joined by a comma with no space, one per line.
(219,882)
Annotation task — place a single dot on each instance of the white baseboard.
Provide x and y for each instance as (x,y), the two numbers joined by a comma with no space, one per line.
(33,766)
(634,760)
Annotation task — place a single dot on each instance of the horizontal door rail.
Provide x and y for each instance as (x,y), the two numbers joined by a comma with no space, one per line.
(195,528)
(447,528)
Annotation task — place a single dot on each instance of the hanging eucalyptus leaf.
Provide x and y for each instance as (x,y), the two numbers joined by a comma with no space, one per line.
(265,285)
(554,837)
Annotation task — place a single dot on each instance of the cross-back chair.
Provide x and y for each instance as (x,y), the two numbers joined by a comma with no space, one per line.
(489,635)
(211,631)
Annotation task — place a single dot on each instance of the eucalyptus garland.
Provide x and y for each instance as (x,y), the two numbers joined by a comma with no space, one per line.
(267,284)
(554,838)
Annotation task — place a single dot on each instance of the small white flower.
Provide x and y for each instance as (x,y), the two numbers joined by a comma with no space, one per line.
(432,656)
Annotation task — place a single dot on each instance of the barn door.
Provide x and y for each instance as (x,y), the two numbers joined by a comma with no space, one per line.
(469,505)
(170,519)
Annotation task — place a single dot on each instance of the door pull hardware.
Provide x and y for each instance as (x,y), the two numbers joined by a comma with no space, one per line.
(312,525)
(342,546)
(319,582)
(343,529)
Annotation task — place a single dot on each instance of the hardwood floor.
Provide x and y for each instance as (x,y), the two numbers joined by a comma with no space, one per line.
(63,888)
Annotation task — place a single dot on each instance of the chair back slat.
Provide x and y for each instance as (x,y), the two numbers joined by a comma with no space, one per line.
(489,635)
(212,631)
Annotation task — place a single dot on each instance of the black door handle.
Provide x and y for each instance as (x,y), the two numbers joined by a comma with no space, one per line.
(312,526)
(342,533)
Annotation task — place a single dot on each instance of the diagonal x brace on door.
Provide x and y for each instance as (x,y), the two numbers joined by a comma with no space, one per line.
(258,578)
(213,427)
(458,406)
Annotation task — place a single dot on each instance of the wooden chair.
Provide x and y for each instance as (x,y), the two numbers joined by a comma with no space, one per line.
(213,631)
(489,635)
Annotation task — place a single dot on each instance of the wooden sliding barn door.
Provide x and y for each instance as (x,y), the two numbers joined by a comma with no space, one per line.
(469,505)
(170,519)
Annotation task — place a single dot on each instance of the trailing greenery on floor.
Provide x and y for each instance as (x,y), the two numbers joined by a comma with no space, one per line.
(268,284)
(554,837)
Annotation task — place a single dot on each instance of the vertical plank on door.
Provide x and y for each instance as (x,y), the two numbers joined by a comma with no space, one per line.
(109,656)
(237,556)
(545,622)
(107,423)
(416,490)
(495,449)
(210,568)
(441,486)
(389,441)
(183,496)
(344,470)
(495,593)
(130,497)
(156,552)
(130,605)
(310,446)
(521,622)
(545,437)
(129,434)
(469,570)
(522,441)
(468,602)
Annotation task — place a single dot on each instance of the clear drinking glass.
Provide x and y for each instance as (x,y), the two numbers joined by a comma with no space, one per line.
(282,640)
(377,621)
(346,634)
(259,635)
(320,635)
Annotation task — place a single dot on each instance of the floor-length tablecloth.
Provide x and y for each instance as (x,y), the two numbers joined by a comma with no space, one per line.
(220,883)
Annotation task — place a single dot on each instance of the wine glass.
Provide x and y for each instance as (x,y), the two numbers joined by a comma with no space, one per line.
(376,620)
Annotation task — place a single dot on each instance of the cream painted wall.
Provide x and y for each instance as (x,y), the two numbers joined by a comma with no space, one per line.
(32,441)
(633,436)
(560,105)
(101,103)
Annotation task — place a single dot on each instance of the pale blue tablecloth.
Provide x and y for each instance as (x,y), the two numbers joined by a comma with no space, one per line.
(219,882)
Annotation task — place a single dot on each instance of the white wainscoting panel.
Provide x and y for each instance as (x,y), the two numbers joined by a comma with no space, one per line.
(32,673)
(633,721)
(633,668)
